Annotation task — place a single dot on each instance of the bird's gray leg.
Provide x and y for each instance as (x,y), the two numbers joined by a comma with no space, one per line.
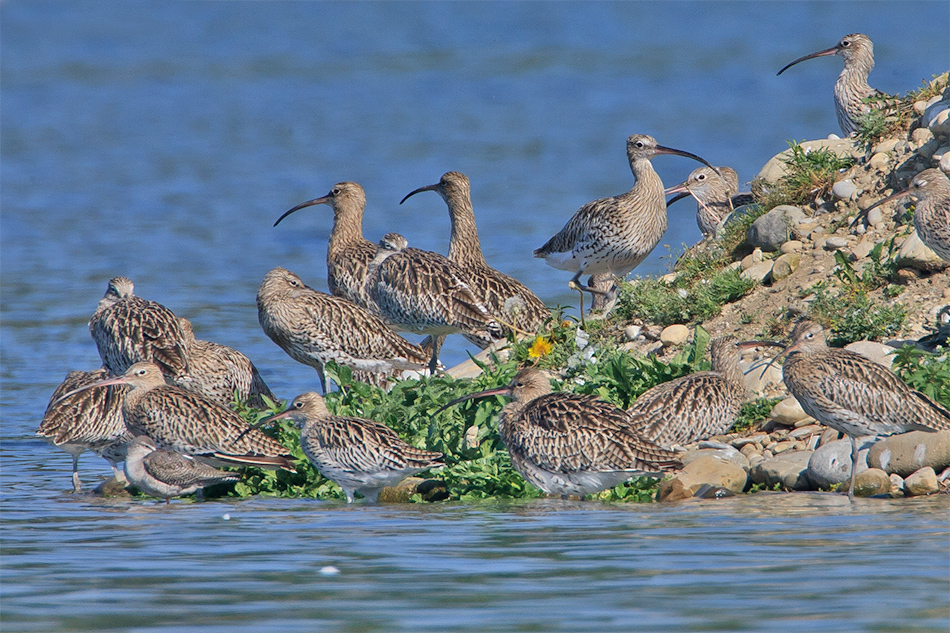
(573,285)
(854,467)
(77,484)
(321,372)
(436,348)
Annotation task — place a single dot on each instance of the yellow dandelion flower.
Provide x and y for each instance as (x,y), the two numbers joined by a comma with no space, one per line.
(540,347)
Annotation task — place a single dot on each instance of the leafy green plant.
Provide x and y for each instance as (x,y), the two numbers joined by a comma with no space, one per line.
(754,413)
(925,372)
(853,316)
(809,176)
(689,298)
(637,490)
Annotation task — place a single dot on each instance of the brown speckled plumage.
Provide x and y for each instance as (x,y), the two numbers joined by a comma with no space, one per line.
(348,252)
(852,87)
(89,420)
(851,393)
(315,328)
(713,193)
(506,298)
(572,444)
(613,235)
(219,372)
(128,329)
(358,455)
(694,407)
(423,292)
(166,474)
(931,188)
(184,422)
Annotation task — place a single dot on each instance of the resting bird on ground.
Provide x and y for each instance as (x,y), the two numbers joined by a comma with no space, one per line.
(853,394)
(852,87)
(358,455)
(571,444)
(165,474)
(128,329)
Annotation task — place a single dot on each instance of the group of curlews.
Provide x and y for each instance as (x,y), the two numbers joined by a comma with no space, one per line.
(161,402)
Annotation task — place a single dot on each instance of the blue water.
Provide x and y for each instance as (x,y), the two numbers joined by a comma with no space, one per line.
(161,140)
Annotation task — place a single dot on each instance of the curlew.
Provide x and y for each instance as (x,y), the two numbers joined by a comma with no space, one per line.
(185,422)
(423,292)
(714,196)
(91,420)
(697,406)
(166,474)
(358,455)
(315,328)
(851,89)
(348,252)
(613,235)
(128,329)
(571,444)
(931,188)
(853,394)
(506,298)
(221,373)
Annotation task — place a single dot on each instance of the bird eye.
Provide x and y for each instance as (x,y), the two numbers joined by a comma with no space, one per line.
(639,144)
(335,191)
(701,177)
(140,372)
(846,43)
(293,282)
(298,405)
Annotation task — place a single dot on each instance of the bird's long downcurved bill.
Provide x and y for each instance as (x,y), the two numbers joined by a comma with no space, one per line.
(893,196)
(257,425)
(662,149)
(681,191)
(308,203)
(498,391)
(419,190)
(827,51)
(118,380)
(785,349)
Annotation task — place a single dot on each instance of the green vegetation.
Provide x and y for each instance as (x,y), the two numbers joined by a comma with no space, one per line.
(695,295)
(892,116)
(754,413)
(809,176)
(848,311)
(925,372)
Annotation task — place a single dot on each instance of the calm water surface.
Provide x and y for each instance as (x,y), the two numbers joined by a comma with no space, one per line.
(161,140)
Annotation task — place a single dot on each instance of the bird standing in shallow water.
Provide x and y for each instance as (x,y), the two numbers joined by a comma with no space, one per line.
(613,235)
(128,329)
(570,444)
(348,252)
(697,406)
(88,420)
(853,394)
(182,421)
(852,87)
(506,298)
(221,373)
(713,193)
(165,474)
(931,188)
(315,328)
(358,455)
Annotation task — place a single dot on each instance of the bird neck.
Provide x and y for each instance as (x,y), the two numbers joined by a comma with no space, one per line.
(727,365)
(347,231)
(464,246)
(648,184)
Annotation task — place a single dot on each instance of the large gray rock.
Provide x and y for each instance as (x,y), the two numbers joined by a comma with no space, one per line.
(773,229)
(913,253)
(830,465)
(727,453)
(870,482)
(706,470)
(907,453)
(878,352)
(788,469)
(776,168)
(922,482)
